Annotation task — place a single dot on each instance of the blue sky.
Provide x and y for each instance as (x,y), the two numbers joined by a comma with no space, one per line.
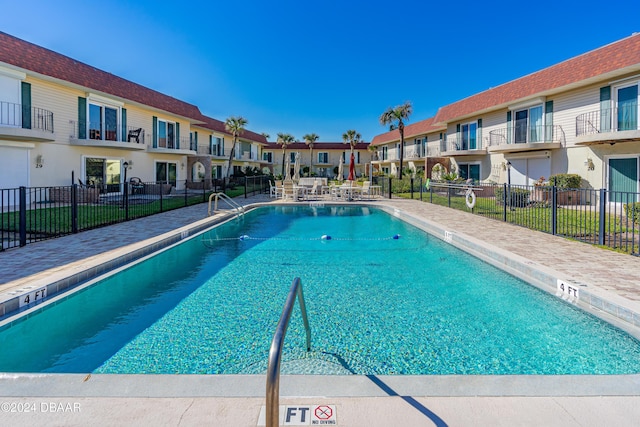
(319,66)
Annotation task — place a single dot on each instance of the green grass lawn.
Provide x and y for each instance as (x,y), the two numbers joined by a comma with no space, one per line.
(578,223)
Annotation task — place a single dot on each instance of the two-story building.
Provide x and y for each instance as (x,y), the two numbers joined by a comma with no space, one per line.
(579,116)
(61,118)
(322,160)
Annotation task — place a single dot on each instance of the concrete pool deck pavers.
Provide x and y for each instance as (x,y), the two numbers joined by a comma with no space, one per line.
(235,401)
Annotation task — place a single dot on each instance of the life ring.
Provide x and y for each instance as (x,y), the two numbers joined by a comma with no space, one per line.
(470,199)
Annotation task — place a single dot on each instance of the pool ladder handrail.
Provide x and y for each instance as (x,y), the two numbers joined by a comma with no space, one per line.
(275,353)
(227,199)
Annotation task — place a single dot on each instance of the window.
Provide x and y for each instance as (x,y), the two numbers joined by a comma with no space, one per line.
(468,136)
(528,126)
(166,172)
(323,158)
(469,171)
(627,116)
(385,152)
(103,121)
(10,113)
(217,146)
(103,173)
(166,134)
(267,157)
(292,157)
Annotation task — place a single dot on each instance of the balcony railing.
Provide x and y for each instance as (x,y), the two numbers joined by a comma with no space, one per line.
(174,143)
(453,143)
(527,135)
(22,116)
(413,152)
(608,120)
(96,132)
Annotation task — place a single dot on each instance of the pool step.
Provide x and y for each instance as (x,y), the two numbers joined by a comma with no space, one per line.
(302,366)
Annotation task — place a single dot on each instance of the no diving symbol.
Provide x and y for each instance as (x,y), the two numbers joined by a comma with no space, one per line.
(323,412)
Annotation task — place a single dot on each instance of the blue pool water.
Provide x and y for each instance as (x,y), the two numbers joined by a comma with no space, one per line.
(377,305)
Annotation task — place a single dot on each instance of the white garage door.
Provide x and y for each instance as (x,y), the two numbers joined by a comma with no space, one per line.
(14,167)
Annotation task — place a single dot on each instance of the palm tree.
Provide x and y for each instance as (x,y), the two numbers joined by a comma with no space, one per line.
(235,126)
(352,138)
(310,139)
(396,117)
(285,139)
(266,135)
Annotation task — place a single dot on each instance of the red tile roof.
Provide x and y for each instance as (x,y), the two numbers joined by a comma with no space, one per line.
(317,146)
(219,126)
(43,61)
(422,127)
(599,62)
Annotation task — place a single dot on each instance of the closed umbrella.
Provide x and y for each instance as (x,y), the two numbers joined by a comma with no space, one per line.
(287,167)
(296,168)
(352,168)
(340,167)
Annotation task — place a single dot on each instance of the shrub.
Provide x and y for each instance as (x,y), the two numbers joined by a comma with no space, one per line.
(566,180)
(519,196)
(632,210)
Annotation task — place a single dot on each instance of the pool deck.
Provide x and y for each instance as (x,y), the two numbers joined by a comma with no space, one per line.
(359,401)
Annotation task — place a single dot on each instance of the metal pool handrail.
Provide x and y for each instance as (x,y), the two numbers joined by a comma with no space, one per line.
(227,199)
(273,368)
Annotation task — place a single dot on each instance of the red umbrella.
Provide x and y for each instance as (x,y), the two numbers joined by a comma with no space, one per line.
(352,168)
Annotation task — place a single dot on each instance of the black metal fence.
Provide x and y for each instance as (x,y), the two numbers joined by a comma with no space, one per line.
(596,216)
(31,214)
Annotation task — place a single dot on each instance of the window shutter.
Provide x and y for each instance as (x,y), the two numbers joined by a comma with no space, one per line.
(479,135)
(26,105)
(605,109)
(222,149)
(82,118)
(508,127)
(211,144)
(177,143)
(196,139)
(124,125)
(548,121)
(155,132)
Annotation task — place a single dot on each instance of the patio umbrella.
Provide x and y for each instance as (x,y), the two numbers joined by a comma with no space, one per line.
(287,167)
(340,167)
(352,168)
(296,168)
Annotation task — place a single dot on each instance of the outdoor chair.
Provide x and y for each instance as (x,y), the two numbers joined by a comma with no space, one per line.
(137,186)
(134,134)
(366,189)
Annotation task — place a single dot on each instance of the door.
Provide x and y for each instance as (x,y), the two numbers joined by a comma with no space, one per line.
(623,179)
(628,108)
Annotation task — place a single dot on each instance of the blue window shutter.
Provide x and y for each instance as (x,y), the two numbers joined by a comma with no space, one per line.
(82,118)
(155,132)
(124,124)
(605,109)
(479,134)
(211,144)
(548,121)
(508,127)
(196,138)
(26,105)
(177,144)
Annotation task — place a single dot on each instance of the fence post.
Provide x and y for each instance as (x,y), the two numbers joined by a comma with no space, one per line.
(74,208)
(448,196)
(186,202)
(390,187)
(411,185)
(430,194)
(126,201)
(161,207)
(602,216)
(554,210)
(23,216)
(504,202)
(421,188)
(246,181)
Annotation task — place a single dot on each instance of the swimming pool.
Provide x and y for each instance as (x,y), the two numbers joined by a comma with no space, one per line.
(377,305)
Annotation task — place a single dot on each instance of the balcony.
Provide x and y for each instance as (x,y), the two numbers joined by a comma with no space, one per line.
(454,147)
(23,123)
(526,138)
(413,152)
(171,144)
(608,126)
(129,138)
